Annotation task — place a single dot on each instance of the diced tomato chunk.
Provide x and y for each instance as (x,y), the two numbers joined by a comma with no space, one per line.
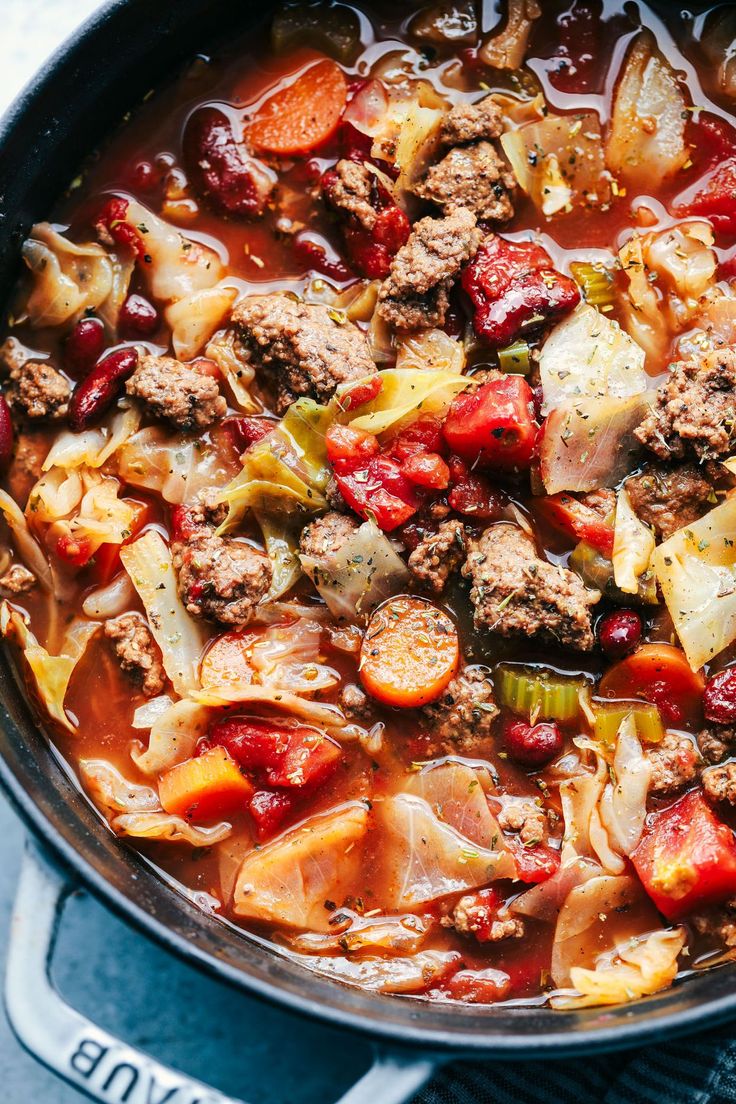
(112,219)
(686,859)
(423,435)
(715,198)
(478,986)
(314,255)
(533,864)
(245,431)
(494,425)
(577,520)
(287,757)
(475,497)
(513,286)
(106,562)
(363,391)
(269,809)
(371,484)
(76,551)
(427,469)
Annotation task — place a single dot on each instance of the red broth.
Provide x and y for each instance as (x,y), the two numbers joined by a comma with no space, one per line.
(451,944)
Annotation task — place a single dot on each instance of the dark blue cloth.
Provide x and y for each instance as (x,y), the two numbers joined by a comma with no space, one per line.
(696,1069)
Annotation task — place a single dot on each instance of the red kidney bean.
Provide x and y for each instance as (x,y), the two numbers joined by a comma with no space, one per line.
(620,632)
(719,697)
(96,394)
(532,745)
(219,168)
(84,345)
(7,435)
(138,317)
(143,176)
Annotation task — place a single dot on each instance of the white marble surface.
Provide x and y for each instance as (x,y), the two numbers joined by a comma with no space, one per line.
(31,30)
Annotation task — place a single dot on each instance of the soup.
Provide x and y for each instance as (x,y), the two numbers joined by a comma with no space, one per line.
(368,501)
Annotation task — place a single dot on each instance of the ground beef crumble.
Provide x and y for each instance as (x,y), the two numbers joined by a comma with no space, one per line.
(350,192)
(438,555)
(468,122)
(176,393)
(718,923)
(472,916)
(719,783)
(675,762)
(716,741)
(415,294)
(311,349)
(38,391)
(694,411)
(17,580)
(670,498)
(462,718)
(137,652)
(516,593)
(526,818)
(474,177)
(220,579)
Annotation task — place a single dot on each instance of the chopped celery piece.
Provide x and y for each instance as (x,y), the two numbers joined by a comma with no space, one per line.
(596,282)
(610,715)
(597,572)
(539,694)
(515,359)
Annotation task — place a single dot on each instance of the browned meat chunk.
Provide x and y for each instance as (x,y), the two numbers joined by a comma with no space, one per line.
(17,580)
(473,915)
(31,449)
(526,818)
(670,498)
(716,741)
(718,923)
(221,578)
(468,122)
(327,535)
(311,349)
(462,718)
(38,391)
(176,393)
(415,294)
(137,652)
(355,702)
(694,412)
(351,192)
(719,782)
(515,593)
(675,762)
(438,555)
(474,177)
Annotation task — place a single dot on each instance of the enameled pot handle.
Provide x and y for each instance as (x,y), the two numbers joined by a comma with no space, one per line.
(92,1059)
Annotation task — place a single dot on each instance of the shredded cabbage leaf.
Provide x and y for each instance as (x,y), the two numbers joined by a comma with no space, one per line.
(363,572)
(405,394)
(26,543)
(431,351)
(638,968)
(426,859)
(589,356)
(179,266)
(696,570)
(174,736)
(233,360)
(148,562)
(267,484)
(633,546)
(281,542)
(413,974)
(558,161)
(194,319)
(456,793)
(93,447)
(646,140)
(288,880)
(67,278)
(52,673)
(383,935)
(590,444)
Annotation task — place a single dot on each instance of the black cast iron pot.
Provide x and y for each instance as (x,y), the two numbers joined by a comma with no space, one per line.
(126,49)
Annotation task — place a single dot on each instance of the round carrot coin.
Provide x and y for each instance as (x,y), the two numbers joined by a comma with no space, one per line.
(303,115)
(409,653)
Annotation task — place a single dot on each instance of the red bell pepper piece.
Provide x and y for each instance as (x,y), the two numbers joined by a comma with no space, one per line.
(494,425)
(576,520)
(686,859)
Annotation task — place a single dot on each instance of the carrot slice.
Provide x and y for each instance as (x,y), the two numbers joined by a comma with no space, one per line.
(660,674)
(410,652)
(303,115)
(226,662)
(206,787)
